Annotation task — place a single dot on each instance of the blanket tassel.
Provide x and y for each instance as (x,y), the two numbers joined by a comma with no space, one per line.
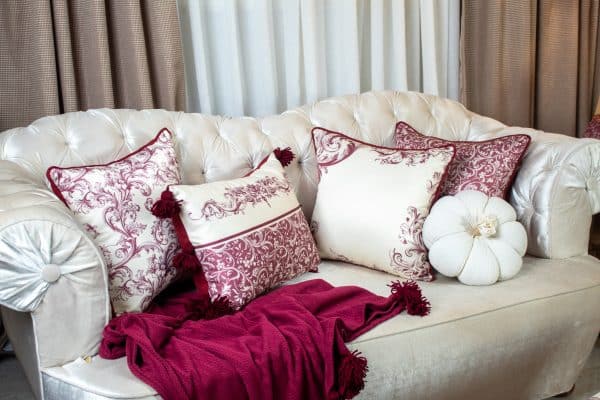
(409,294)
(352,372)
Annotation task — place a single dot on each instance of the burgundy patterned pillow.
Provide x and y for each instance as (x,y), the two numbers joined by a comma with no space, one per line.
(593,128)
(488,166)
(112,201)
(241,237)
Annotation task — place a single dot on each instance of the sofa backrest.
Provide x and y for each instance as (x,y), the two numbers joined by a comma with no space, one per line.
(214,147)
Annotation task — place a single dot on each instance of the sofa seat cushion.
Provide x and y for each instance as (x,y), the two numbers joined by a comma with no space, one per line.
(471,340)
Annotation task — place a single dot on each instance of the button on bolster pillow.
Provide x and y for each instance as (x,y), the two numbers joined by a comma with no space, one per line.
(474,237)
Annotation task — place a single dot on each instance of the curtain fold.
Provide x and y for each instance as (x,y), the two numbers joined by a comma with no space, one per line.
(261,57)
(59,56)
(531,63)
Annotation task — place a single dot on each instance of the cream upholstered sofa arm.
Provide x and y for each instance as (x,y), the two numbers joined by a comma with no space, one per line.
(50,268)
(556,191)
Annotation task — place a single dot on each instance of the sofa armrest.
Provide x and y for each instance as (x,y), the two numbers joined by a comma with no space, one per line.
(50,268)
(556,191)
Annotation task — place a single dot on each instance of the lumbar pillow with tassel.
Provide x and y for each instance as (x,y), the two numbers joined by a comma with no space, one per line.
(240,237)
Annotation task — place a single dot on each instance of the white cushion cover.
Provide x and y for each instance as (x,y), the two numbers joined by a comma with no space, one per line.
(372,202)
(475,340)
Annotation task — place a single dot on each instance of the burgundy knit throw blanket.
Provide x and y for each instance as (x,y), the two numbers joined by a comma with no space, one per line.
(287,344)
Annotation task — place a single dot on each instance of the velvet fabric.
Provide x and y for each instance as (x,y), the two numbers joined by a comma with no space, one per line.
(287,344)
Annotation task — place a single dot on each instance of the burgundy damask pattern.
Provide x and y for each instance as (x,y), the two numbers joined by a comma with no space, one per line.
(593,128)
(488,166)
(411,262)
(238,198)
(113,203)
(247,265)
(331,148)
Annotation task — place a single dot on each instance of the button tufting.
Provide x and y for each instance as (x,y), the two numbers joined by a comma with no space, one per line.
(50,273)
(591,183)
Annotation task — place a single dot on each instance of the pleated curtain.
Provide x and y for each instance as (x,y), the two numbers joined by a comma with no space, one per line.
(533,63)
(58,56)
(261,57)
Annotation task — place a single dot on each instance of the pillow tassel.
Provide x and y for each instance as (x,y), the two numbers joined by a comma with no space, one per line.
(204,308)
(167,206)
(410,296)
(186,261)
(351,374)
(284,156)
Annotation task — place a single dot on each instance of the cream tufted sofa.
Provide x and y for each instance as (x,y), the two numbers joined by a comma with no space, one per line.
(526,338)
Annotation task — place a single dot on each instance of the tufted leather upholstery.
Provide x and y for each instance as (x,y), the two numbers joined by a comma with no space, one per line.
(555,193)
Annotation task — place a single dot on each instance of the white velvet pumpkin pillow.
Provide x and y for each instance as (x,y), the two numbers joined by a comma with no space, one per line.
(372,202)
(475,237)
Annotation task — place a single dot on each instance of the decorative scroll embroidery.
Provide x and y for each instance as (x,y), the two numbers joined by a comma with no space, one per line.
(238,198)
(112,202)
(432,184)
(412,262)
(247,265)
(410,158)
(331,148)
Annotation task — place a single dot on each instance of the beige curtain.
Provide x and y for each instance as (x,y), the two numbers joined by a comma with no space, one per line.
(531,63)
(66,55)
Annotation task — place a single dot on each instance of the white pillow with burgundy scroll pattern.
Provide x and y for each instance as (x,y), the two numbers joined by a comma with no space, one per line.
(112,202)
(245,235)
(372,202)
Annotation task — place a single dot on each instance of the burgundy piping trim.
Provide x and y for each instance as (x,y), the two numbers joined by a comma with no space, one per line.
(516,168)
(260,164)
(438,191)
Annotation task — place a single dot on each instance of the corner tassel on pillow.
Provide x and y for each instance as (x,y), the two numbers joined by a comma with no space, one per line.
(186,261)
(284,156)
(167,206)
(351,373)
(409,294)
(203,308)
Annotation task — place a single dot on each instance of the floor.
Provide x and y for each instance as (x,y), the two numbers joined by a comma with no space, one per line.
(13,385)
